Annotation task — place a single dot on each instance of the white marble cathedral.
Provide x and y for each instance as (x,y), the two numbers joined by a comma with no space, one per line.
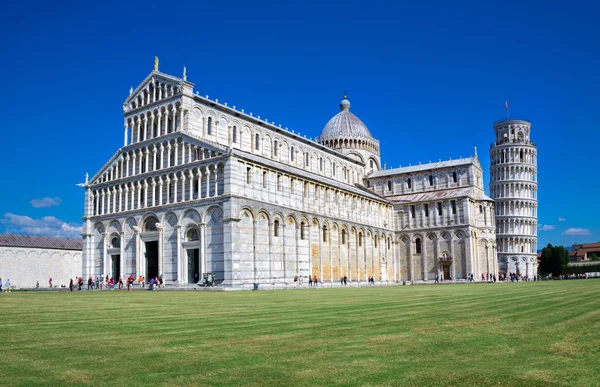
(201,187)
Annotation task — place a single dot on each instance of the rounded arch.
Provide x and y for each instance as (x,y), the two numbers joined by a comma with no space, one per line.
(130,225)
(291,220)
(99,228)
(214,214)
(190,216)
(148,223)
(115,226)
(245,211)
(170,220)
(263,215)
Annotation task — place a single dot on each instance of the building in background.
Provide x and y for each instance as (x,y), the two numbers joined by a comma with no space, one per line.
(514,188)
(28,259)
(583,252)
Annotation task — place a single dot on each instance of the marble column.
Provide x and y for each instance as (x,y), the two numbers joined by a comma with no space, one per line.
(179,260)
(161,267)
(203,264)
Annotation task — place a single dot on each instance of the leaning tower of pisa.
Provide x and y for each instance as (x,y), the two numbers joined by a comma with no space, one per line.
(513,186)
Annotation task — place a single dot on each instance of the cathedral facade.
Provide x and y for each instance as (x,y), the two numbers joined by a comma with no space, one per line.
(200,187)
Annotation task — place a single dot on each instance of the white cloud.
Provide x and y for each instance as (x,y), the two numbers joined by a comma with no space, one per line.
(577,231)
(46,226)
(45,202)
(546,227)
(561,219)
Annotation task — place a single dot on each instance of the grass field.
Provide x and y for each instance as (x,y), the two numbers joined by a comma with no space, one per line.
(482,334)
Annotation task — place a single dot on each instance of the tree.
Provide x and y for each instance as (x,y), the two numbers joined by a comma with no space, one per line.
(553,258)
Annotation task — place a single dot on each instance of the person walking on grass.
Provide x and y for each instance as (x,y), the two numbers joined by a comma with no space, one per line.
(7,286)
(437,279)
(71,286)
(315,282)
(50,283)
(0,284)
(120,282)
(310,281)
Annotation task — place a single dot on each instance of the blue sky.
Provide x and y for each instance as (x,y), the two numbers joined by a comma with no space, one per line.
(428,79)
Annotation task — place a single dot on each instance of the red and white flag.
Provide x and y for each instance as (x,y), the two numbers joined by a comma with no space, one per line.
(506,105)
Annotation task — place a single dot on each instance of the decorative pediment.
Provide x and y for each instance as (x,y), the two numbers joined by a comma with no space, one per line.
(154,87)
(156,142)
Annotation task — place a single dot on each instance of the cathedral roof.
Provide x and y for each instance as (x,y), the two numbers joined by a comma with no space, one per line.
(424,167)
(429,196)
(41,242)
(345,125)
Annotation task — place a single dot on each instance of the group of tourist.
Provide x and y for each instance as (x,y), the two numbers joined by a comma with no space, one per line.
(550,277)
(5,288)
(156,283)
(209,280)
(312,280)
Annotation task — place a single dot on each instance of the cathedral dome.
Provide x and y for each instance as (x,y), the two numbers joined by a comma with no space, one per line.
(345,125)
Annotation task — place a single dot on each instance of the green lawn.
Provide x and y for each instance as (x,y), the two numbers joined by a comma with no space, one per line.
(482,334)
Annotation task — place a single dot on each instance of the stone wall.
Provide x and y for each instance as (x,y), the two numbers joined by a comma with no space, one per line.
(25,265)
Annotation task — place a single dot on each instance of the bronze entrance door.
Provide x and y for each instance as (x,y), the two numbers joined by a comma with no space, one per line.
(446,271)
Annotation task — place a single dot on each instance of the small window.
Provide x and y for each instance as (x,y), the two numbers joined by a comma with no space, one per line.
(292,154)
(480,209)
(257,141)
(418,245)
(306,159)
(292,185)
(150,225)
(389,185)
(375,241)
(454,177)
(409,182)
(426,209)
(192,235)
(370,163)
(321,164)
(275,147)
(389,243)
(360,240)
(368,184)
(333,169)
(413,212)
(430,180)
(439,206)
(325,234)
(343,237)
(209,126)
(453,203)
(249,175)
(276,228)
(302,231)
(278,182)
(305,189)
(265,179)
(115,242)
(234,134)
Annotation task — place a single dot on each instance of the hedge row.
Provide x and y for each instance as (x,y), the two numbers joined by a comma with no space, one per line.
(566,269)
